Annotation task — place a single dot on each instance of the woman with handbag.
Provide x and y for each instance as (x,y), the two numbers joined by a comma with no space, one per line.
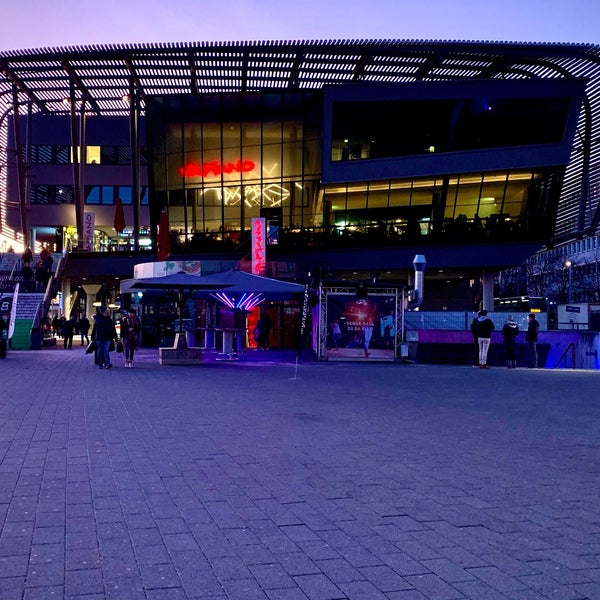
(130,333)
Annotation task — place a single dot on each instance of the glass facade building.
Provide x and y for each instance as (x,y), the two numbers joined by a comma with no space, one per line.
(384,165)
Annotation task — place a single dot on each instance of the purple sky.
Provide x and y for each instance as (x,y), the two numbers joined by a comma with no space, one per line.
(42,24)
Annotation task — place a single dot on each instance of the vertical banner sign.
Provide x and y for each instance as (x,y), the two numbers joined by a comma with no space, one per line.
(259,245)
(304,317)
(13,312)
(88,231)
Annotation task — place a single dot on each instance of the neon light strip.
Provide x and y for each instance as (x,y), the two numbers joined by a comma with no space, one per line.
(247,301)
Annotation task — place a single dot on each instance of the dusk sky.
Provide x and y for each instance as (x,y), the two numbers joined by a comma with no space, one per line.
(42,24)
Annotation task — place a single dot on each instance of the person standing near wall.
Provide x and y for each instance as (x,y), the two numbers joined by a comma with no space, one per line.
(531,337)
(485,326)
(264,326)
(509,333)
(475,340)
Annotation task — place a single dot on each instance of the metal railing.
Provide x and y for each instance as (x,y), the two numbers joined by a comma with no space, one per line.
(563,357)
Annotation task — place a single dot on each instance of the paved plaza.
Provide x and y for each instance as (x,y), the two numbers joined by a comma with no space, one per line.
(271,481)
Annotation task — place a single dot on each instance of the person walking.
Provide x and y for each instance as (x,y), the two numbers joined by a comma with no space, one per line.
(84,327)
(27,257)
(69,331)
(130,335)
(531,337)
(485,326)
(104,333)
(509,333)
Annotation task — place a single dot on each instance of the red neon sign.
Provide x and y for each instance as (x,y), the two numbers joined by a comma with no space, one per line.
(259,238)
(214,167)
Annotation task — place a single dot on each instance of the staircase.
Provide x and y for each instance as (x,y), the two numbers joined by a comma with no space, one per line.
(27,308)
(32,307)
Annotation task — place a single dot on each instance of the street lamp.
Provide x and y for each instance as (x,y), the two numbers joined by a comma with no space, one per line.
(569,265)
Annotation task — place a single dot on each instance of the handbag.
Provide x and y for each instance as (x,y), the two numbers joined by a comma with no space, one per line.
(111,348)
(91,347)
(119,346)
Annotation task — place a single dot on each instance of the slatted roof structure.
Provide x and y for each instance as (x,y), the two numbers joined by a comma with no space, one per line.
(103,75)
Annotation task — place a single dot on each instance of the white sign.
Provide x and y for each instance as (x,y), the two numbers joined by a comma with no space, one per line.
(88,231)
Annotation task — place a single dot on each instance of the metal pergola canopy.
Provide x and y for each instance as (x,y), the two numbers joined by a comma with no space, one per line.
(103,75)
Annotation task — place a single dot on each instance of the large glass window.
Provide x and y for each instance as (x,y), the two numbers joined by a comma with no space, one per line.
(241,155)
(395,128)
(51,194)
(495,202)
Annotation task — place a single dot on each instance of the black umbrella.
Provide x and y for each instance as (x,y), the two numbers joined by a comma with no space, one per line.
(183,285)
(239,282)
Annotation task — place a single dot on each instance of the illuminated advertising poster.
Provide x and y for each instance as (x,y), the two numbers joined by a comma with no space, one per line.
(361,328)
(259,246)
(88,231)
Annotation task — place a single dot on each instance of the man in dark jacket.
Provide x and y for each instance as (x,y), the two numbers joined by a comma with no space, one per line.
(104,332)
(84,326)
(485,326)
(531,336)
(509,333)
(68,332)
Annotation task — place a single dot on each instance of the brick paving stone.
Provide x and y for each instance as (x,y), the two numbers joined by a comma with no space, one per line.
(433,586)
(230,567)
(319,587)
(84,581)
(87,558)
(497,579)
(170,594)
(14,566)
(406,595)
(200,583)
(447,570)
(272,576)
(244,589)
(45,574)
(559,573)
(385,578)
(403,564)
(12,588)
(339,571)
(45,593)
(478,590)
(177,542)
(287,594)
(255,554)
(159,577)
(550,588)
(527,594)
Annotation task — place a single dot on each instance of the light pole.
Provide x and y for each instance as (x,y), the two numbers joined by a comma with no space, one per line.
(569,266)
